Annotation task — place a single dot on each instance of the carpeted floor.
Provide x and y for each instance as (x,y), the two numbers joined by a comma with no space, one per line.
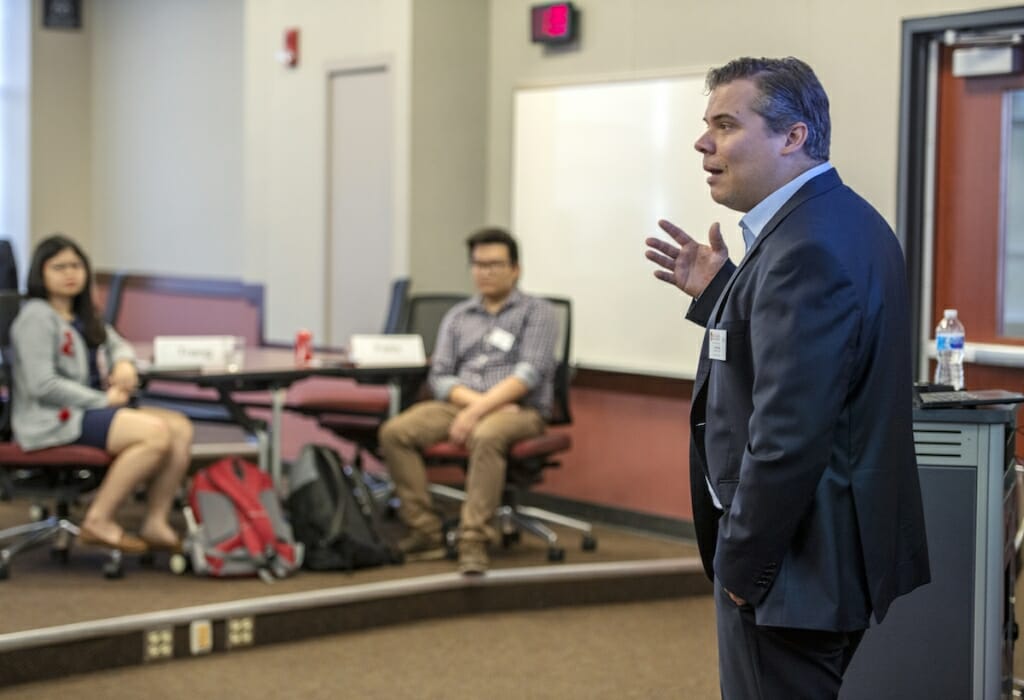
(658,649)
(41,592)
(651,650)
(611,651)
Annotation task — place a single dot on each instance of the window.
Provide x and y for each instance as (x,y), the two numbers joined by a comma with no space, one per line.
(15,27)
(1013,221)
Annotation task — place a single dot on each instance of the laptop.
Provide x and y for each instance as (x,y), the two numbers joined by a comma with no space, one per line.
(967,399)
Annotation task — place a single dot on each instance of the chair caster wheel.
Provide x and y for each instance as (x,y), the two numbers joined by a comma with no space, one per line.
(178,564)
(5,572)
(510,538)
(589,543)
(38,513)
(59,555)
(556,554)
(114,567)
(451,543)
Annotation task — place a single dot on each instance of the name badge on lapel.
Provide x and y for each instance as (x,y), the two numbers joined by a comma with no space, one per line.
(716,344)
(501,339)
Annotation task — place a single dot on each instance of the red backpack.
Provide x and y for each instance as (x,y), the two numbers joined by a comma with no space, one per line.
(236,526)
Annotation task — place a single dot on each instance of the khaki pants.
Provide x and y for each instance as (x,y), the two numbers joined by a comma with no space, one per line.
(426,423)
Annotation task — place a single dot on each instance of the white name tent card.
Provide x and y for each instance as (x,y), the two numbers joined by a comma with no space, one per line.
(197,350)
(391,350)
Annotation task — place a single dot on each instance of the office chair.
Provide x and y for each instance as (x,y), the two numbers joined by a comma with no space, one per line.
(61,474)
(351,410)
(115,295)
(527,460)
(424,313)
(8,267)
(396,305)
(355,412)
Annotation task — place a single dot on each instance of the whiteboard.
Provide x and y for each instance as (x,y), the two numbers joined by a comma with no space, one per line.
(594,168)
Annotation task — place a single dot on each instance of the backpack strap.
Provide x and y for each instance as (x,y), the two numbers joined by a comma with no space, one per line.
(331,474)
(257,532)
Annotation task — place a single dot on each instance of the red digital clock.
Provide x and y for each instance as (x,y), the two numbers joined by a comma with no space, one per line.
(553,23)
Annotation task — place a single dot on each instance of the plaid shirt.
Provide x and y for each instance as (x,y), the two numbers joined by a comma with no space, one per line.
(477,350)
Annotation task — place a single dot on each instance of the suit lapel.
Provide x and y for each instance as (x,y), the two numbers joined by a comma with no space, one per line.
(812,188)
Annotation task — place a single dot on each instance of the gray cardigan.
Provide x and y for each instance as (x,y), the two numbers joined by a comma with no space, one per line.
(51,376)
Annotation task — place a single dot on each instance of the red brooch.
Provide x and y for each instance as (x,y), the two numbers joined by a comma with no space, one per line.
(68,347)
(64,415)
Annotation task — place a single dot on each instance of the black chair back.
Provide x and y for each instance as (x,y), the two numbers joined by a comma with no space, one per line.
(423,315)
(115,294)
(396,305)
(560,413)
(10,304)
(8,267)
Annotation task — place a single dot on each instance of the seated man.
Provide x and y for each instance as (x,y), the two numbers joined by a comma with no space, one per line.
(492,375)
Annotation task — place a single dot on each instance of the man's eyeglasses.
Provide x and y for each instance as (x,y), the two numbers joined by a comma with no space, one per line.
(489,265)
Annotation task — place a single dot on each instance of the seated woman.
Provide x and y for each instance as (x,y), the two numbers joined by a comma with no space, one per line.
(63,356)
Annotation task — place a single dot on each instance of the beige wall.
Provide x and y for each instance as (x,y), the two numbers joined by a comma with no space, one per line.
(286,142)
(163,129)
(437,54)
(853,46)
(449,139)
(166,168)
(60,197)
(170,140)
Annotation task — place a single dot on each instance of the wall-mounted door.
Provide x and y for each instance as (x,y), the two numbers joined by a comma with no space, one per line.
(979,213)
(361,202)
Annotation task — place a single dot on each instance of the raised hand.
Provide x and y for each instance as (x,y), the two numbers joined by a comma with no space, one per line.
(691,266)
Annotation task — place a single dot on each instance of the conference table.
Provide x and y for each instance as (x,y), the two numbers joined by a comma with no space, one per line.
(274,369)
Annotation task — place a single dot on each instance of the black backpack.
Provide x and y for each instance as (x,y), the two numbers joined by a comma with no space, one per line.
(333,514)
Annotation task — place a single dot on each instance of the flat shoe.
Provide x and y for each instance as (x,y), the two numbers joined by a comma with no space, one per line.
(170,547)
(127,544)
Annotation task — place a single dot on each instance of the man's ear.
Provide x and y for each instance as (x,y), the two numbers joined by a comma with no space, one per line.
(796,137)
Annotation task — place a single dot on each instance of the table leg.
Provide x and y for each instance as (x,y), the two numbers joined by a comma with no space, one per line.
(277,399)
(263,440)
(394,397)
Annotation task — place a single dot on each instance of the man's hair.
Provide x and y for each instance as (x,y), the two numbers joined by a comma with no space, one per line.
(494,235)
(789,92)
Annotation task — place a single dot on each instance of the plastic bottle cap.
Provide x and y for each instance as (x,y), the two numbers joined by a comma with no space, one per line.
(949,313)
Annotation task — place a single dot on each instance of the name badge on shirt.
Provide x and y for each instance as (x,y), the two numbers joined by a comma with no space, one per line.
(501,339)
(716,344)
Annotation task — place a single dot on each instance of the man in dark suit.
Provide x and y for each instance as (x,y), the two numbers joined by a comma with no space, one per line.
(805,492)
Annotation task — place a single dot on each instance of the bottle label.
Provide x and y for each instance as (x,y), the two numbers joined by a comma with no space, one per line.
(949,341)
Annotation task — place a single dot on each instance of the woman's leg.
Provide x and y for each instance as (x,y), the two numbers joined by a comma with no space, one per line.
(165,484)
(140,444)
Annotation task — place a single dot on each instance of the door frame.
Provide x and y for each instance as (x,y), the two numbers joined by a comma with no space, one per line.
(916,173)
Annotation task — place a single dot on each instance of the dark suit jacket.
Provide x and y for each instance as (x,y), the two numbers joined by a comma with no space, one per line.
(805,429)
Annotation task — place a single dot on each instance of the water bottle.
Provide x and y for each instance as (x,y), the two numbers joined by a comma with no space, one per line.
(949,347)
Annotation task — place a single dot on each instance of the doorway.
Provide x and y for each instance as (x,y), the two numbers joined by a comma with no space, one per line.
(955,213)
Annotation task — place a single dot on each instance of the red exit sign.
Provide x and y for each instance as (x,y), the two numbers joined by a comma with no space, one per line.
(554,23)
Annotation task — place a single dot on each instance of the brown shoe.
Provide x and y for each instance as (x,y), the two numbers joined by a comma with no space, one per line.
(420,545)
(127,544)
(473,559)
